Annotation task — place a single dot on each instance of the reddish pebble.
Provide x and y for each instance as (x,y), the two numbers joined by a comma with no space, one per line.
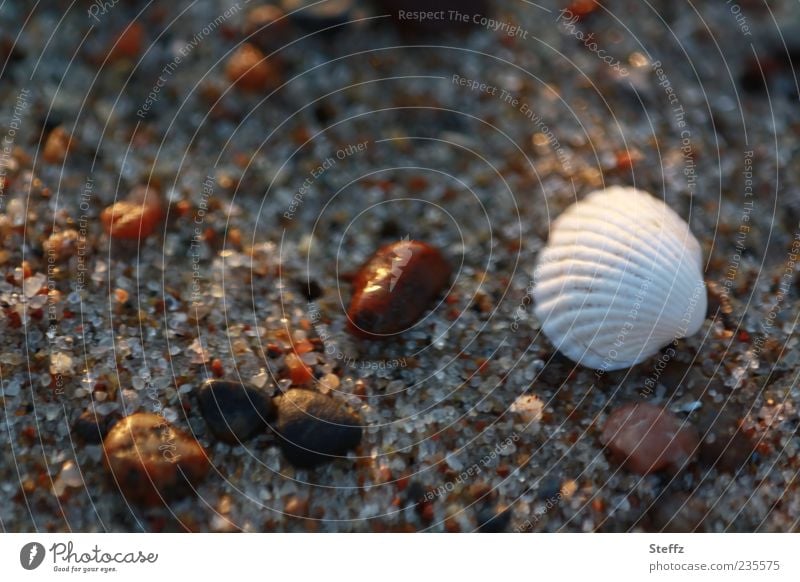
(135,218)
(152,461)
(129,43)
(250,70)
(395,287)
(299,373)
(217,368)
(647,438)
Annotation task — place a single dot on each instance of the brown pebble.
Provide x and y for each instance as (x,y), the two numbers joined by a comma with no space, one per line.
(57,146)
(392,291)
(647,438)
(250,70)
(151,461)
(296,507)
(128,44)
(61,245)
(135,218)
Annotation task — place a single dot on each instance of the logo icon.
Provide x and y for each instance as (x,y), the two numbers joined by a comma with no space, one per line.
(31,555)
(402,255)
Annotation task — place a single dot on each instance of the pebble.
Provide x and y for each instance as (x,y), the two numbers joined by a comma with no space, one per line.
(93,427)
(392,291)
(128,44)
(647,438)
(233,411)
(135,218)
(493,519)
(314,428)
(61,245)
(152,461)
(250,70)
(57,146)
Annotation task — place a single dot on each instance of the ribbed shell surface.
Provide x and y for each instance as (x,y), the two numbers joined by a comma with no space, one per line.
(620,278)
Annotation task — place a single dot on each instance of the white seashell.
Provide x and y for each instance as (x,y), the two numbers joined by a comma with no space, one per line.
(620,278)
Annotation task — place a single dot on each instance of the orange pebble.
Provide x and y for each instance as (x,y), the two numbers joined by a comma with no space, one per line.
(57,146)
(299,373)
(250,70)
(134,218)
(129,43)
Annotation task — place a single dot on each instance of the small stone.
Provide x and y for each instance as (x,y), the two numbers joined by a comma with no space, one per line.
(92,427)
(128,43)
(300,373)
(493,520)
(314,428)
(135,218)
(250,70)
(151,461)
(233,411)
(328,382)
(529,408)
(70,476)
(648,438)
(725,446)
(392,291)
(61,245)
(57,146)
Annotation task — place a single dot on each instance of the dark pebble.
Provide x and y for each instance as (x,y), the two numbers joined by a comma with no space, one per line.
(724,446)
(93,428)
(493,519)
(313,428)
(151,461)
(233,411)
(392,291)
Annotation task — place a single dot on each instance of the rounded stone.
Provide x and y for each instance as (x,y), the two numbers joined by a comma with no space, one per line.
(152,461)
(395,287)
(647,438)
(234,412)
(313,428)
